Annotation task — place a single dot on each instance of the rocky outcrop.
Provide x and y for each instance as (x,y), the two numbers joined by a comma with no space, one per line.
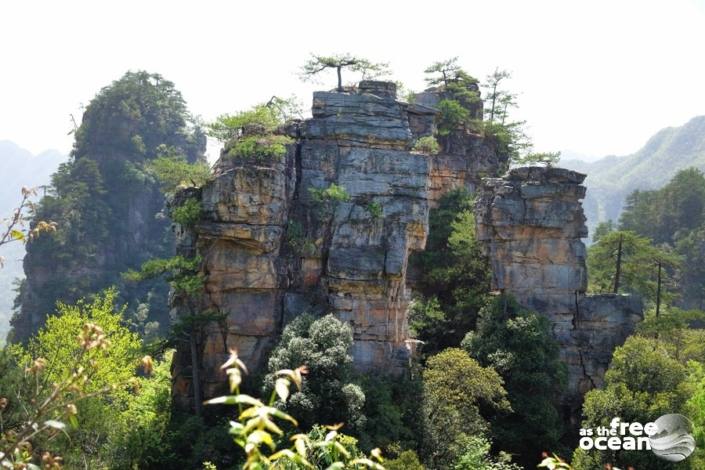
(532,222)
(327,228)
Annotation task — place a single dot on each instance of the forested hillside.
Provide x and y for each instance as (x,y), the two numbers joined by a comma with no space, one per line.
(107,203)
(611,179)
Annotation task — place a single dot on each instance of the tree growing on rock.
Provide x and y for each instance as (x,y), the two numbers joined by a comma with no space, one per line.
(321,63)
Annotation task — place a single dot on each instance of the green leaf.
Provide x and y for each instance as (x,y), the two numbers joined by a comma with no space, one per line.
(234,400)
(282,388)
(17,235)
(55,424)
(261,437)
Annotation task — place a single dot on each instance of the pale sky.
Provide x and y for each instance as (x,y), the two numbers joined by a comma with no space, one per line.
(595,77)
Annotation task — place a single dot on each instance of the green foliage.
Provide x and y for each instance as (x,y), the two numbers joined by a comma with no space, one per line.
(642,383)
(499,99)
(509,139)
(188,213)
(297,241)
(672,329)
(695,410)
(259,146)
(332,193)
(261,118)
(452,116)
(259,432)
(174,172)
(375,209)
(407,460)
(94,377)
(108,182)
(638,266)
(392,413)
(56,341)
(326,200)
(602,229)
(320,63)
(455,389)
(427,144)
(454,275)
(519,345)
(544,158)
(665,213)
(476,456)
(328,395)
(137,437)
(182,273)
(675,216)
(252,133)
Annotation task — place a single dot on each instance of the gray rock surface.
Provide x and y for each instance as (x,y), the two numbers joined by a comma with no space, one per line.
(273,247)
(532,222)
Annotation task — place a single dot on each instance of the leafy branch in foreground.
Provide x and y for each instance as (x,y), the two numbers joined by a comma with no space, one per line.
(258,429)
(50,403)
(15,225)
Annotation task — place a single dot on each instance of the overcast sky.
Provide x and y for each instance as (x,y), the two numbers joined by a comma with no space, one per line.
(594,77)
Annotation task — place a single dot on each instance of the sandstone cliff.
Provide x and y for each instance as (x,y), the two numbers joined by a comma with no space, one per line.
(275,243)
(532,222)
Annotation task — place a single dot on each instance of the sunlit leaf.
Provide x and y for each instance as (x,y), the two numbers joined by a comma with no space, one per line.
(282,388)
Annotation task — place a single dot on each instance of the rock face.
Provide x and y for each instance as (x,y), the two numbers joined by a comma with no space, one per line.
(277,240)
(532,222)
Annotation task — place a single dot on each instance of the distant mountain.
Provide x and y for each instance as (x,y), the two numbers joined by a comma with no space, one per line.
(611,179)
(18,168)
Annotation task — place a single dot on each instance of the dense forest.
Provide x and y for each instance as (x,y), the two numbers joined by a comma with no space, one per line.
(86,381)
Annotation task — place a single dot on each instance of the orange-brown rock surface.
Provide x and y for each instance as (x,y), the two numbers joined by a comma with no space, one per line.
(274,245)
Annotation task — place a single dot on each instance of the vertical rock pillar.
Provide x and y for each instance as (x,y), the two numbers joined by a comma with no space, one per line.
(531,221)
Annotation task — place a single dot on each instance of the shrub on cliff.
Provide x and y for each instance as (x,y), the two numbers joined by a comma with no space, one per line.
(519,345)
(428,145)
(328,394)
(252,133)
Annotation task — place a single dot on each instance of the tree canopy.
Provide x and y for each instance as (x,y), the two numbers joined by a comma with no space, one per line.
(321,63)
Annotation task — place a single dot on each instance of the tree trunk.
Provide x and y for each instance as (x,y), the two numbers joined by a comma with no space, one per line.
(618,271)
(195,373)
(340,78)
(658,291)
(494,99)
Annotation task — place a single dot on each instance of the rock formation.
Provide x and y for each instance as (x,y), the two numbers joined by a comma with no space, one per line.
(532,222)
(276,243)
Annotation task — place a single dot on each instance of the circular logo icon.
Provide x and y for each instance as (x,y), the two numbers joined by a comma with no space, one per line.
(672,440)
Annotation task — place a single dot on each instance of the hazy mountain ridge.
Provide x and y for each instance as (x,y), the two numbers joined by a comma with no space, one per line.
(612,178)
(19,168)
